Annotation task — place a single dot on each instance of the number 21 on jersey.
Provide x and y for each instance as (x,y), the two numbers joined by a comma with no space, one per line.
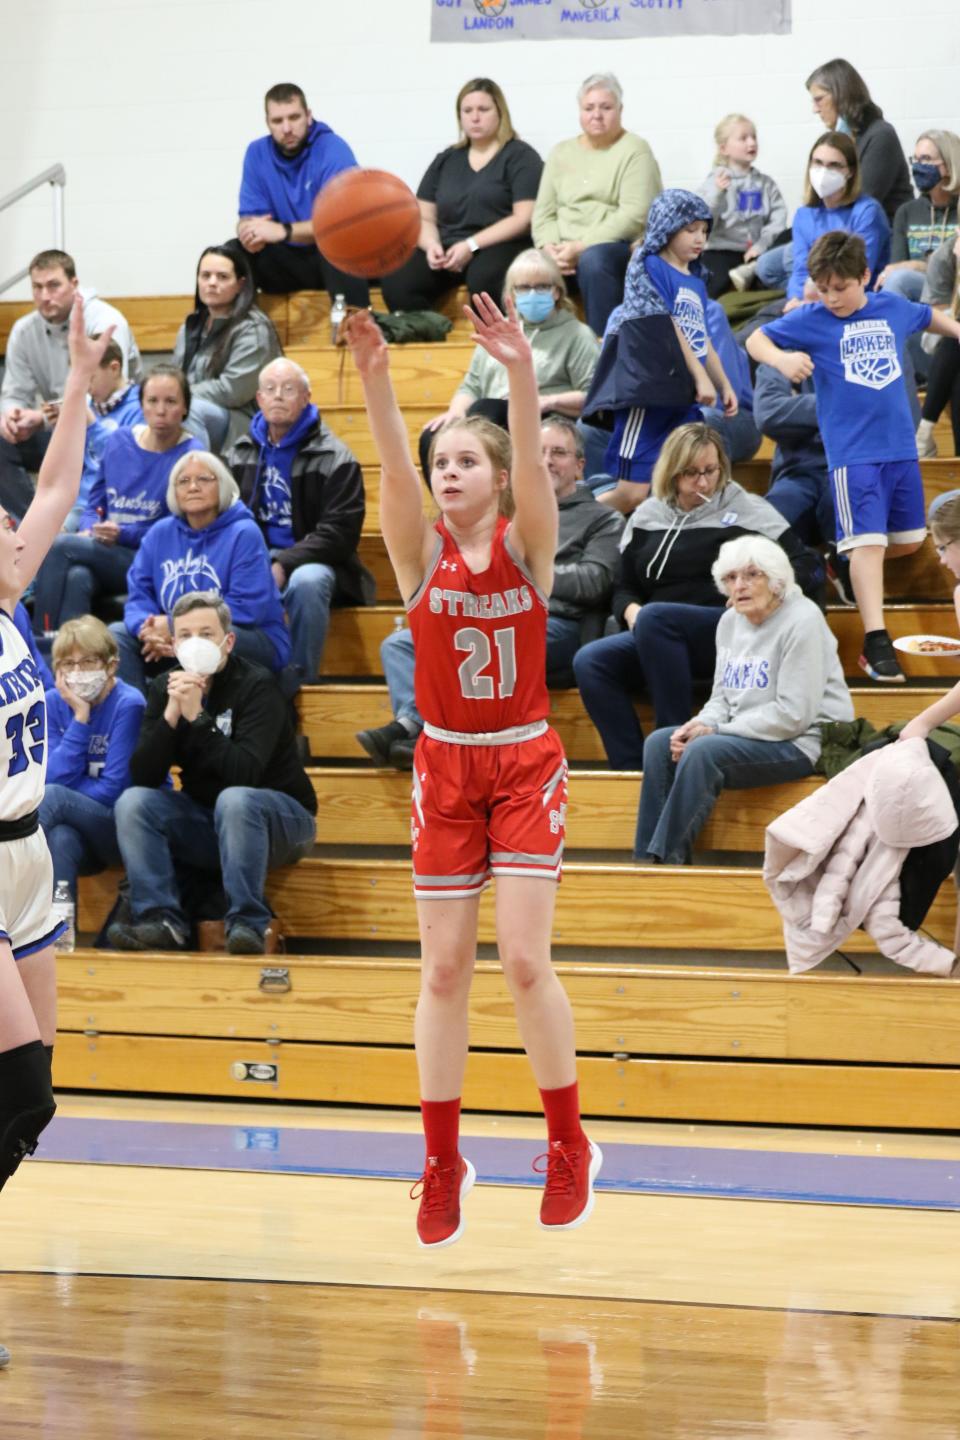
(477,670)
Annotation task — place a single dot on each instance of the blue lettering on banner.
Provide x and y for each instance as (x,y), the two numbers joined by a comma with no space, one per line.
(478,22)
(607,14)
(484,20)
(656,4)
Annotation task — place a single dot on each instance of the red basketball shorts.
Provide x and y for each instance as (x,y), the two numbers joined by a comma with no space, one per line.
(482,810)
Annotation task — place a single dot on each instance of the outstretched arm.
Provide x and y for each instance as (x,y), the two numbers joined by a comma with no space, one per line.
(59,480)
(408,535)
(534,530)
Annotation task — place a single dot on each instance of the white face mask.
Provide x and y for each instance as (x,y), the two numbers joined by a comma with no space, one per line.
(85,684)
(827,183)
(198,655)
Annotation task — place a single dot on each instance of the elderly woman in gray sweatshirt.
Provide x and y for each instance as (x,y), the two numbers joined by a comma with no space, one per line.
(778,676)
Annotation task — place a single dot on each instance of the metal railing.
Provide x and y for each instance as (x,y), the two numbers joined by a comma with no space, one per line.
(56,178)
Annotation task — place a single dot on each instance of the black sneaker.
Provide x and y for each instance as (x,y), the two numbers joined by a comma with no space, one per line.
(879,659)
(401,752)
(838,573)
(377,742)
(159,933)
(244,940)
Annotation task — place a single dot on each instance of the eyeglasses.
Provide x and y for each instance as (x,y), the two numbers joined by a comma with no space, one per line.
(287,389)
(184,480)
(557,452)
(543,289)
(709,472)
(750,573)
(86,663)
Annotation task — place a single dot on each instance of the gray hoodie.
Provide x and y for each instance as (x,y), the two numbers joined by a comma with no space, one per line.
(37,358)
(751,211)
(777,680)
(586,558)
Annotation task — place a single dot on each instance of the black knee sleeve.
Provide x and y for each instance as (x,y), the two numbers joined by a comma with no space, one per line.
(26,1103)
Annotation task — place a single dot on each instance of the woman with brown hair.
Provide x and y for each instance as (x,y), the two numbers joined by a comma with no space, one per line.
(476,204)
(841,101)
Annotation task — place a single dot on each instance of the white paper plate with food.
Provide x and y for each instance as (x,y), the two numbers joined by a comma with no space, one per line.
(931,647)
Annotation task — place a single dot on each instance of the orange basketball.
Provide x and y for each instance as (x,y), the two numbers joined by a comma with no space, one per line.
(366,222)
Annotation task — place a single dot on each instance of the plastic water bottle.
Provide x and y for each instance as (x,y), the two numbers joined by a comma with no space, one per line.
(64,910)
(338,314)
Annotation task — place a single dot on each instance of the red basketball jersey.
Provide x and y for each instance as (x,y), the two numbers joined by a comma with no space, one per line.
(480,640)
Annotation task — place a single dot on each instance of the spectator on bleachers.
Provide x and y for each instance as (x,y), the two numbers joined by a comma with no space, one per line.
(658,365)
(748,209)
(832,200)
(664,596)
(36,370)
(941,290)
(93,721)
(208,542)
(283,173)
(841,101)
(593,200)
(565,352)
(127,497)
(920,225)
(245,804)
(305,491)
(222,346)
(476,204)
(586,560)
(778,678)
(114,405)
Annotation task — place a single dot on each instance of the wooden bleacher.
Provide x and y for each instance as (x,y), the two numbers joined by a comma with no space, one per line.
(683,1006)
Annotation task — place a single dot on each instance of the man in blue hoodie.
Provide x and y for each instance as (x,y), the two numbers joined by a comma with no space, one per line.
(305,491)
(283,173)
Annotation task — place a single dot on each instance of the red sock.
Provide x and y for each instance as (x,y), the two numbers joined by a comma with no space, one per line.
(441,1129)
(562,1109)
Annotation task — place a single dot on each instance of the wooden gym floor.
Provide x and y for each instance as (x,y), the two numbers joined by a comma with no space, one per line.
(146,1296)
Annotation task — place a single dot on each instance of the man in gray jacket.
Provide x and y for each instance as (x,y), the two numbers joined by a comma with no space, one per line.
(36,370)
(584,567)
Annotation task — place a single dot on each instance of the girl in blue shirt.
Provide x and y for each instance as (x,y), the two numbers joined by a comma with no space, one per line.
(832,201)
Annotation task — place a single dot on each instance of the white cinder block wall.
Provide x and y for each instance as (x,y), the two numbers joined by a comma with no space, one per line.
(149,103)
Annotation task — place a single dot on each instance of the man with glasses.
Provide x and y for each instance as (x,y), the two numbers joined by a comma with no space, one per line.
(305,491)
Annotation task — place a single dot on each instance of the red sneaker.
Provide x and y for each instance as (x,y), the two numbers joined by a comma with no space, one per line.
(568,1193)
(441,1188)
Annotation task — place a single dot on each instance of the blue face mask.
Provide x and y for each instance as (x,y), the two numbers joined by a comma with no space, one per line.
(926,175)
(534,307)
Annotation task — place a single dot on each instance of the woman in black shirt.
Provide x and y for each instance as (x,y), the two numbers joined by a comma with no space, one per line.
(476,203)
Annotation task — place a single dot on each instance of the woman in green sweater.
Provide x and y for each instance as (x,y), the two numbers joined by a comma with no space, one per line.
(594,195)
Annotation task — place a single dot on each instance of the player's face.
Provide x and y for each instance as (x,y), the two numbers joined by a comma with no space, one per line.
(282,395)
(163,408)
(687,244)
(824,107)
(699,481)
(218,284)
(740,146)
(288,123)
(600,116)
(10,547)
(463,480)
(843,296)
(198,493)
(479,116)
(560,456)
(948,553)
(53,293)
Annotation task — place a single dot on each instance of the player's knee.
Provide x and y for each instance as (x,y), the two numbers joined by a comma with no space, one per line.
(26,1104)
(446,977)
(523,969)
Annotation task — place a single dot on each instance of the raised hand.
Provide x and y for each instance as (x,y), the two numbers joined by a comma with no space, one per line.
(364,340)
(86,352)
(500,335)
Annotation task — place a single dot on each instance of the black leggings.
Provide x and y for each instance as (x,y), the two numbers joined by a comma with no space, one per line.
(416,287)
(943,386)
(718,264)
(281,268)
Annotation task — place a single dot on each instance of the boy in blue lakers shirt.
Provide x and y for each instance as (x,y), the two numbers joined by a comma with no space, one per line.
(852,343)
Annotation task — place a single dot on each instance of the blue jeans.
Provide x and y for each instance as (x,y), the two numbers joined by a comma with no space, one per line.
(397,657)
(208,423)
(81,834)
(670,647)
(247,833)
(16,461)
(774,267)
(77,568)
(676,799)
(307,599)
(909,285)
(251,644)
(595,442)
(740,436)
(601,271)
(805,499)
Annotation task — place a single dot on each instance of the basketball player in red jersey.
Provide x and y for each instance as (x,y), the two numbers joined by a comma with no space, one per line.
(489,775)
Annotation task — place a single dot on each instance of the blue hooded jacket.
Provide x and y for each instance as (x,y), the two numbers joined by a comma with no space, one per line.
(641,363)
(228,555)
(285,186)
(271,503)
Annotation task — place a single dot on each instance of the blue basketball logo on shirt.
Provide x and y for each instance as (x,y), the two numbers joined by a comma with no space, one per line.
(688,313)
(275,501)
(190,572)
(868,349)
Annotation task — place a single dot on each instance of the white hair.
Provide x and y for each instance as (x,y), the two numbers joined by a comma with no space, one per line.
(757,550)
(602,81)
(283,360)
(227,489)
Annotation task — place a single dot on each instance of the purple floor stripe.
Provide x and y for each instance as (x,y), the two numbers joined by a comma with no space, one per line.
(639,1169)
